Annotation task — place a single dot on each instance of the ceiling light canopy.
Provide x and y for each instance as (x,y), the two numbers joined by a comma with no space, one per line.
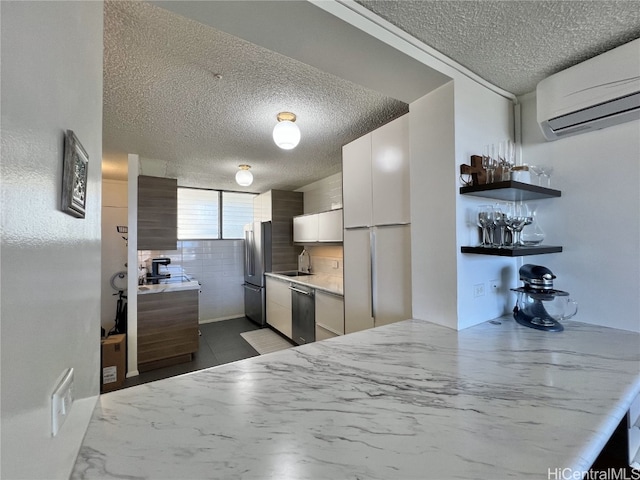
(286,134)
(244,177)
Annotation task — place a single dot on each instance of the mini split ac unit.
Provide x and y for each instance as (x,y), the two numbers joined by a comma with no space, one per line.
(594,94)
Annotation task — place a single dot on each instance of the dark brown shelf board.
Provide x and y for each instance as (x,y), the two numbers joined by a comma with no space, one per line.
(510,191)
(512,251)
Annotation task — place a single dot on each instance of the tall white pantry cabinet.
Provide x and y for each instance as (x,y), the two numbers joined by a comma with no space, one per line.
(377,235)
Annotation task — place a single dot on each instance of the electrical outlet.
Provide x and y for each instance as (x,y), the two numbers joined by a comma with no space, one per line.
(61,401)
(336,264)
(478,290)
(494,285)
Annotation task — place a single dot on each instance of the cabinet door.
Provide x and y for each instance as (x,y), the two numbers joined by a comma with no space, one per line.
(279,306)
(157,213)
(357,280)
(167,326)
(390,172)
(330,226)
(356,182)
(330,312)
(392,274)
(305,229)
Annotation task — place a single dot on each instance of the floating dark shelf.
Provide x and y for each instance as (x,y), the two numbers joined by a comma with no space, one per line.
(510,191)
(511,251)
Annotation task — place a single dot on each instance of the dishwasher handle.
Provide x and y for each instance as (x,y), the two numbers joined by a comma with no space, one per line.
(294,289)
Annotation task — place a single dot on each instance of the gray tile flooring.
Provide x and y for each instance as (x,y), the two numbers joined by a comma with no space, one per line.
(220,342)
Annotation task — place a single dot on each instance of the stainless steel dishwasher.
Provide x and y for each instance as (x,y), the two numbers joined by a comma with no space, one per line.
(303,308)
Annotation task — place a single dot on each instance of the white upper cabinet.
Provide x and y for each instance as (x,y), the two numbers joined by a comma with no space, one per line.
(305,228)
(390,173)
(356,182)
(330,226)
(318,227)
(375,172)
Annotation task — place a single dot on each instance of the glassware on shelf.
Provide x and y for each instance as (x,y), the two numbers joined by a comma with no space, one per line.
(516,218)
(537,171)
(532,233)
(507,158)
(546,172)
(489,162)
(485,219)
(500,221)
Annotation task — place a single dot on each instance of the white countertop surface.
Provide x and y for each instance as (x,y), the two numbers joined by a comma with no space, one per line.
(411,400)
(174,284)
(320,281)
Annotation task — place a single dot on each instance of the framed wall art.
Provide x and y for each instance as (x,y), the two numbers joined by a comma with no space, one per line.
(74,176)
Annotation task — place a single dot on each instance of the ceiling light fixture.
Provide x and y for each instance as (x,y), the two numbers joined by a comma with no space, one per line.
(244,177)
(286,134)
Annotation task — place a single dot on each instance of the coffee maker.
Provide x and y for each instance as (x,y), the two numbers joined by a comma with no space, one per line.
(539,305)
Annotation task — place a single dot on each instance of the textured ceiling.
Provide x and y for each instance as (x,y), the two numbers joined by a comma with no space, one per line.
(162,99)
(164,102)
(515,44)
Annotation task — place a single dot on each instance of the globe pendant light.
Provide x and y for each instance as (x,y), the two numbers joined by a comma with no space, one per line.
(286,134)
(244,177)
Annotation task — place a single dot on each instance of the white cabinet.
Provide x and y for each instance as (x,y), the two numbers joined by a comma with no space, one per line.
(375,176)
(377,276)
(358,293)
(262,210)
(356,182)
(377,239)
(305,228)
(318,227)
(279,306)
(329,315)
(330,226)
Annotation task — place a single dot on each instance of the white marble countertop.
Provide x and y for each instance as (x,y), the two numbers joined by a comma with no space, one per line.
(321,281)
(173,284)
(411,400)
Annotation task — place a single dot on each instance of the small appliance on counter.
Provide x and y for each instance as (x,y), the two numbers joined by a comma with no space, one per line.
(155,274)
(538,305)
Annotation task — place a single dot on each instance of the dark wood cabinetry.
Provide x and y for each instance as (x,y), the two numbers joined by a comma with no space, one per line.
(167,328)
(157,213)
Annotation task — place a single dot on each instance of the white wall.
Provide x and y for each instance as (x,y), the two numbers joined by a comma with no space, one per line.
(219,267)
(323,195)
(447,126)
(114,247)
(481,117)
(50,296)
(433,207)
(596,220)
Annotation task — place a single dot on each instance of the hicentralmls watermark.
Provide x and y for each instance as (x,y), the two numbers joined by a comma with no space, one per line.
(606,474)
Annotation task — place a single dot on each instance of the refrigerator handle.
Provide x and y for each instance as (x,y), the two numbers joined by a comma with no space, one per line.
(372,250)
(248,253)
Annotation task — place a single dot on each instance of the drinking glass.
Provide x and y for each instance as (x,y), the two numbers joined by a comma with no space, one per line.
(546,172)
(516,218)
(488,162)
(508,160)
(500,223)
(485,219)
(537,171)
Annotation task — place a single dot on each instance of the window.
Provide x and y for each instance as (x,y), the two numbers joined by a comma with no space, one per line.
(213,214)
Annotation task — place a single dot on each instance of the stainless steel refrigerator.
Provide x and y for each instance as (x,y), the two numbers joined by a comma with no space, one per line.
(257,261)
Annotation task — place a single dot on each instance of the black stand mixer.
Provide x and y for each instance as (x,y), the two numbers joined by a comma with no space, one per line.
(538,305)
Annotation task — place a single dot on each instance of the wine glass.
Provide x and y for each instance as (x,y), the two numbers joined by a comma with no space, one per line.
(537,171)
(546,172)
(508,160)
(485,218)
(500,222)
(516,218)
(488,162)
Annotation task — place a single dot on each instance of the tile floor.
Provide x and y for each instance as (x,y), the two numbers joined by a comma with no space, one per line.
(220,342)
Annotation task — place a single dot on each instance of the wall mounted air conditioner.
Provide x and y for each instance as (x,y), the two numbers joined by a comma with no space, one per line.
(598,93)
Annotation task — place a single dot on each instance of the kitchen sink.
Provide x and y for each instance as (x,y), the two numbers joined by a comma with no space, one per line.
(294,274)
